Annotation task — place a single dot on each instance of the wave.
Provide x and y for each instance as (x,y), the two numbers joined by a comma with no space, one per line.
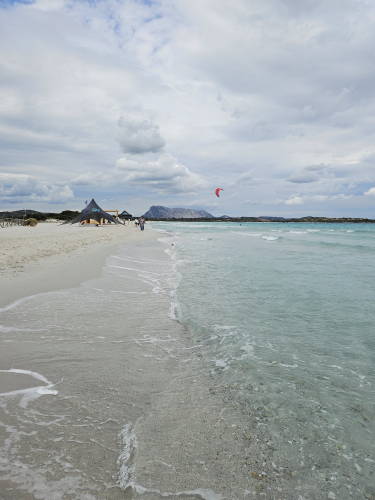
(247,233)
(270,238)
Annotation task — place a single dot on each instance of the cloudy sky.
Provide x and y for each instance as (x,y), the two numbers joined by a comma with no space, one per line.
(157,102)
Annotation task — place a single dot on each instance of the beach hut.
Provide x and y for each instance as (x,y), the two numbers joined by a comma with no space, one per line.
(125,215)
(93,214)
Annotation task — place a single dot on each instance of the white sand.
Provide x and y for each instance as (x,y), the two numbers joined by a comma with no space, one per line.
(52,256)
(20,245)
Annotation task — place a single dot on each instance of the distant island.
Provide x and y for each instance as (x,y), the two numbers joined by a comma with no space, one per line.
(160,213)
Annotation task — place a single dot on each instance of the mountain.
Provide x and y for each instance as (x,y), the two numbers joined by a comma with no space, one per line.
(158,212)
(270,218)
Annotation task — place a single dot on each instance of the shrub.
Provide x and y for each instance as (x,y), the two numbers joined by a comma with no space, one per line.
(31,222)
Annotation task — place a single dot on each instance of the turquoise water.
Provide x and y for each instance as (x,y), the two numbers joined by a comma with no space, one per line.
(285,317)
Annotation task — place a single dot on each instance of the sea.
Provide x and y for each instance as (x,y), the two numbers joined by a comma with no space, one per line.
(215,361)
(286,315)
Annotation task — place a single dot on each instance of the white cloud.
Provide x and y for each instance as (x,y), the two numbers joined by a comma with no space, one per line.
(162,173)
(48,5)
(16,188)
(294,200)
(229,88)
(370,192)
(316,198)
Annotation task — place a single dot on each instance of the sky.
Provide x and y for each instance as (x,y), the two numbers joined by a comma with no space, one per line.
(158,102)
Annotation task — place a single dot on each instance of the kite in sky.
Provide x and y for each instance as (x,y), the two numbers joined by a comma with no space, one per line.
(217,191)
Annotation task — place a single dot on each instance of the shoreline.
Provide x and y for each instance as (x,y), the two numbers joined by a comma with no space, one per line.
(125,382)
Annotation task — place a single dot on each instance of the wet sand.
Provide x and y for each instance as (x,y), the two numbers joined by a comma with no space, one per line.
(10,382)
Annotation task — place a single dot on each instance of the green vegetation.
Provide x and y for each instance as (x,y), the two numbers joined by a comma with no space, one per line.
(31,222)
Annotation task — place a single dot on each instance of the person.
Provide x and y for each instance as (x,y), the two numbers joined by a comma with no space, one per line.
(136,222)
(142,223)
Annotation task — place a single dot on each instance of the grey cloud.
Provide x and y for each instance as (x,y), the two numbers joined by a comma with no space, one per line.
(16,188)
(161,173)
(291,94)
(244,178)
(316,168)
(303,178)
(139,135)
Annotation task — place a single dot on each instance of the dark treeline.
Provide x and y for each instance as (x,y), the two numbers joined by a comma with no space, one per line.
(39,216)
(70,214)
(272,219)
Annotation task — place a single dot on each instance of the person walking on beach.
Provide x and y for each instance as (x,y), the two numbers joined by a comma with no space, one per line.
(142,223)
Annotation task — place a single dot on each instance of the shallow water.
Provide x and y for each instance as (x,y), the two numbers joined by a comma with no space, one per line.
(119,402)
(285,314)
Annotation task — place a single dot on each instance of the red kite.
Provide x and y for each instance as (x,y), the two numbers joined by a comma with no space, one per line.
(217,191)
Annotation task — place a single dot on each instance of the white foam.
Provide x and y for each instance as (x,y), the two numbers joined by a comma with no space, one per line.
(172,314)
(30,393)
(246,233)
(17,302)
(127,478)
(125,460)
(221,363)
(203,493)
(143,261)
(8,329)
(141,271)
(36,375)
(270,238)
(247,349)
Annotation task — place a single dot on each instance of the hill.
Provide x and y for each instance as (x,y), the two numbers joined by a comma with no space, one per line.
(159,212)
(20,214)
(41,216)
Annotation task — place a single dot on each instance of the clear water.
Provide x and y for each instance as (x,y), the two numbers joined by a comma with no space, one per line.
(286,319)
(114,401)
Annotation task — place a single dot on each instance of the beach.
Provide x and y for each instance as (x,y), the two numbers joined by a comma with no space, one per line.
(103,393)
(50,255)
(188,361)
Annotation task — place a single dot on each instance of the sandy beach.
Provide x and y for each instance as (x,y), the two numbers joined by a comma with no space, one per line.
(52,255)
(102,393)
